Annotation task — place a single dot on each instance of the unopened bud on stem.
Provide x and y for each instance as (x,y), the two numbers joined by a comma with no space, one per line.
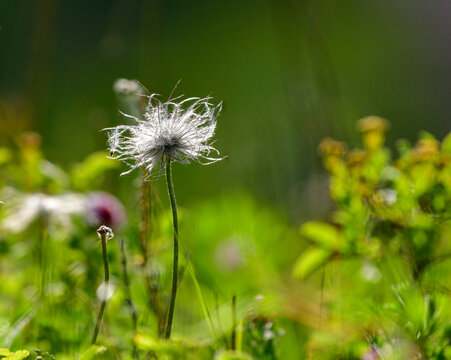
(105,233)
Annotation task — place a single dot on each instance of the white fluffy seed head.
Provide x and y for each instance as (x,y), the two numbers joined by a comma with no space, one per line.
(170,131)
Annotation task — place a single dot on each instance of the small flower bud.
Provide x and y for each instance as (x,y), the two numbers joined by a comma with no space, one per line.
(331,147)
(29,140)
(104,232)
(426,150)
(372,123)
(355,158)
(332,152)
(373,130)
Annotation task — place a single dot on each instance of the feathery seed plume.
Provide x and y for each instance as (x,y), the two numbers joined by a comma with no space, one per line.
(170,131)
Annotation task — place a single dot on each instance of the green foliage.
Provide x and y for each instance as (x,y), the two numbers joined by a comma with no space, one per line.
(261,335)
(393,217)
(323,234)
(17,355)
(175,348)
(93,352)
(374,279)
(327,240)
(54,266)
(43,355)
(309,261)
(232,355)
(91,170)
(5,155)
(388,206)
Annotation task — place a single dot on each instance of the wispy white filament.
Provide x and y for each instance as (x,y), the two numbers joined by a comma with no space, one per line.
(170,131)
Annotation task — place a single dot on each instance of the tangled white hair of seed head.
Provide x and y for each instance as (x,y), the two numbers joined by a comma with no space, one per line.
(170,131)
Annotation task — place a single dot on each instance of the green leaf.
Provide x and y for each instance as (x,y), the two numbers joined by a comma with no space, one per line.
(309,261)
(446,144)
(91,168)
(239,336)
(232,355)
(5,352)
(323,234)
(18,355)
(148,342)
(5,156)
(92,352)
(425,135)
(203,303)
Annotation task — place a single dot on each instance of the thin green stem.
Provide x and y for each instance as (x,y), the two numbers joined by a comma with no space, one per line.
(104,235)
(321,303)
(43,257)
(233,339)
(42,252)
(176,250)
(128,297)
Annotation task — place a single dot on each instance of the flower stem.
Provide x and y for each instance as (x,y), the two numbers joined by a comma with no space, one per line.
(233,339)
(176,250)
(128,297)
(43,258)
(104,236)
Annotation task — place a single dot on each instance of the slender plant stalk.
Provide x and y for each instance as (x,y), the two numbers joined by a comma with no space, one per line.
(104,235)
(176,250)
(233,339)
(43,258)
(42,251)
(128,297)
(321,303)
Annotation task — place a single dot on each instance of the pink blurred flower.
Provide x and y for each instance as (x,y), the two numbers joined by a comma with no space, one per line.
(104,209)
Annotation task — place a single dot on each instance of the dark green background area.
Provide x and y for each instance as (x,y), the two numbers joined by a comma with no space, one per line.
(289,73)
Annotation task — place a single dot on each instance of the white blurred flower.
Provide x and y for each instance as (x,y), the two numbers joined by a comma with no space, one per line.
(126,87)
(105,291)
(389,196)
(370,273)
(268,333)
(55,209)
(170,131)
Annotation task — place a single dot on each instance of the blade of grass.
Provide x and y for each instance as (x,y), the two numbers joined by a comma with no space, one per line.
(239,337)
(203,303)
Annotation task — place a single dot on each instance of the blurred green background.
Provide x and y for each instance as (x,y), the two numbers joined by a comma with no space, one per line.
(289,73)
